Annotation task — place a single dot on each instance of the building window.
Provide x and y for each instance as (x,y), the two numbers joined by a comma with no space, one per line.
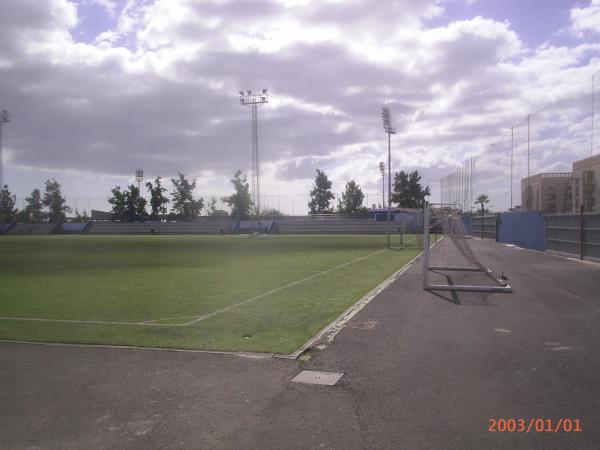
(587,189)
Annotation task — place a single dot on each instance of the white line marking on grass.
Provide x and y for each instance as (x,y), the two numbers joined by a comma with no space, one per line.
(328,333)
(281,288)
(100,322)
(152,323)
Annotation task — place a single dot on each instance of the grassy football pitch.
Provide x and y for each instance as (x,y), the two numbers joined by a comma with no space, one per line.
(238,293)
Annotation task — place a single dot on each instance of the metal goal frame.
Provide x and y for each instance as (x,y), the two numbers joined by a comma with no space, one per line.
(499,287)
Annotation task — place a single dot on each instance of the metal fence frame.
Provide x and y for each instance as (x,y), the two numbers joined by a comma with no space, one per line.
(485,227)
(574,235)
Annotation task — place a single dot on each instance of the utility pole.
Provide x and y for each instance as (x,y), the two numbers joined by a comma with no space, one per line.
(382,171)
(4,118)
(389,129)
(471,183)
(528,200)
(253,100)
(593,107)
(512,146)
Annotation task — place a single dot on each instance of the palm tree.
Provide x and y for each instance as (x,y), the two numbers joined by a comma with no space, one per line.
(482,200)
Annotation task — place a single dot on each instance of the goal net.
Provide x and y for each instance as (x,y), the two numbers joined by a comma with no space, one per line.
(449,262)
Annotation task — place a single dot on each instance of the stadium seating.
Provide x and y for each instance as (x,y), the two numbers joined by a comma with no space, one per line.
(32,228)
(331,226)
(4,227)
(195,227)
(287,225)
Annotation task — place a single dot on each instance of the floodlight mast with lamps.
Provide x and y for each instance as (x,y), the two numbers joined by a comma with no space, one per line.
(139,177)
(254,100)
(4,118)
(389,129)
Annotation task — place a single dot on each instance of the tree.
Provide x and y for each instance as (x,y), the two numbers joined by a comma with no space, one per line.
(321,195)
(408,192)
(55,202)
(135,205)
(240,202)
(352,198)
(158,200)
(8,212)
(33,211)
(119,203)
(184,205)
(128,206)
(400,194)
(482,200)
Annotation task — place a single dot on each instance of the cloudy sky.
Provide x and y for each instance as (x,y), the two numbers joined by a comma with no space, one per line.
(96,88)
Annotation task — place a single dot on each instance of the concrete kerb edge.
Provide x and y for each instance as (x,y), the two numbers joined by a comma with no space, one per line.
(133,347)
(328,333)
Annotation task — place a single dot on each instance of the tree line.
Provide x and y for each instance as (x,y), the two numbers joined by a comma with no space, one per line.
(407,193)
(128,204)
(49,207)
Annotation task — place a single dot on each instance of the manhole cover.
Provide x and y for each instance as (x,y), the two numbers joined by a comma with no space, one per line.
(316,377)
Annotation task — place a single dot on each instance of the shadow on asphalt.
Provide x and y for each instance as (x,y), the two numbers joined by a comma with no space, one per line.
(461,298)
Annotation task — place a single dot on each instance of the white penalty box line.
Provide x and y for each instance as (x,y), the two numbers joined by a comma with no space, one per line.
(199,318)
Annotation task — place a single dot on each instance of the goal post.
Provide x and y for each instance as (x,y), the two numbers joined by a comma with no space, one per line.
(453,253)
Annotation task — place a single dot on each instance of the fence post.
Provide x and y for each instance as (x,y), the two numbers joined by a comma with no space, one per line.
(581,231)
(481,225)
(497,221)
(426,246)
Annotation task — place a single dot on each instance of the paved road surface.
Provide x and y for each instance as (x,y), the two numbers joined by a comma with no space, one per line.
(421,371)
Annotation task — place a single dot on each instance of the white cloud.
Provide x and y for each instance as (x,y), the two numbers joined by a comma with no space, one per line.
(586,19)
(160,90)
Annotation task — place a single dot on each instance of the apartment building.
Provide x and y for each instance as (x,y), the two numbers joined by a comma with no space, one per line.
(586,173)
(549,193)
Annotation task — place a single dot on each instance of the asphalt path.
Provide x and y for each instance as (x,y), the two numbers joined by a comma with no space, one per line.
(421,370)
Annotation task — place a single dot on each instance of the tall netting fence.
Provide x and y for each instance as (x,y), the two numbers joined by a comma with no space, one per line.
(546,141)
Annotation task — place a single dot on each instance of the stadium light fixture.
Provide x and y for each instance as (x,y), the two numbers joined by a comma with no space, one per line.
(389,129)
(139,177)
(253,101)
(4,118)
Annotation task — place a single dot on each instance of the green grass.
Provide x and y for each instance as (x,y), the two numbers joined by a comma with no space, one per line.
(173,280)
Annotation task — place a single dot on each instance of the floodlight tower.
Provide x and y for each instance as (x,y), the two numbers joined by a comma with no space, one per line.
(382,171)
(389,129)
(4,118)
(593,108)
(139,177)
(254,100)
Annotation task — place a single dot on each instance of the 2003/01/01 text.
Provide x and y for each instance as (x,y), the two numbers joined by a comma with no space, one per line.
(534,425)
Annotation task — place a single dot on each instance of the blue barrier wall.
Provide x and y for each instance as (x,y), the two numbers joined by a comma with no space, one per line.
(525,229)
(72,228)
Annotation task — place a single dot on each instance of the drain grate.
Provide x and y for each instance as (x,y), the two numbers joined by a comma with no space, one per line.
(316,377)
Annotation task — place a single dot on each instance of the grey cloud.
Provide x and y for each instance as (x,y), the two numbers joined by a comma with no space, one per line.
(105,118)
